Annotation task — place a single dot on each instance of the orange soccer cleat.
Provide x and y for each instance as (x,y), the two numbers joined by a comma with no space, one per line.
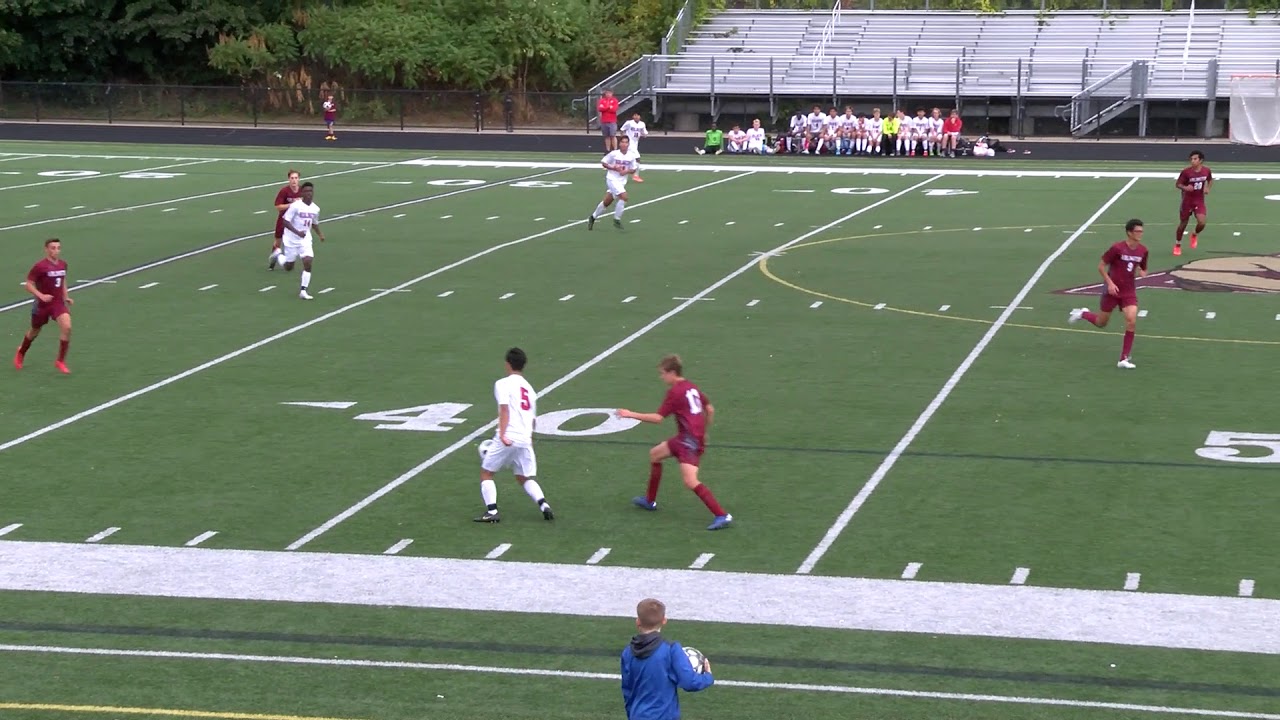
(1177,250)
(62,367)
(17,360)
(637,178)
(1193,241)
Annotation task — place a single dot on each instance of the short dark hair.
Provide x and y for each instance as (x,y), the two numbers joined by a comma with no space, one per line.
(650,613)
(1197,153)
(516,359)
(306,185)
(51,241)
(1132,225)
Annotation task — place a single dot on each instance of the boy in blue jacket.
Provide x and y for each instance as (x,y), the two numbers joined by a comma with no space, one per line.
(653,668)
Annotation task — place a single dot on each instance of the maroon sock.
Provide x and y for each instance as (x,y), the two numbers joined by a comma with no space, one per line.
(26,345)
(655,479)
(62,349)
(1128,344)
(704,494)
(1093,319)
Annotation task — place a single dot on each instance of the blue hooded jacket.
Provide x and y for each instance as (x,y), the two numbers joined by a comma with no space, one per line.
(652,669)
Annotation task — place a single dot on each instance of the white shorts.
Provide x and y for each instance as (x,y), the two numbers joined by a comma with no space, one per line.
(520,458)
(755,146)
(952,134)
(615,187)
(294,249)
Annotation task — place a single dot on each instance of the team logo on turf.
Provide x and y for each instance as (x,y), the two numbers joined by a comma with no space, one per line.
(1238,274)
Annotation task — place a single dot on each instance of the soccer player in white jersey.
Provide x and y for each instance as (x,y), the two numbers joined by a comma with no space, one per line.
(512,444)
(755,138)
(816,124)
(873,128)
(919,131)
(795,141)
(302,217)
(904,133)
(847,126)
(935,132)
(737,140)
(635,129)
(619,165)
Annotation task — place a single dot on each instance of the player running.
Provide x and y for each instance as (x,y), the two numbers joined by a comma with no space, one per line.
(635,129)
(1194,182)
(300,219)
(47,281)
(619,165)
(284,198)
(512,444)
(1120,264)
(693,413)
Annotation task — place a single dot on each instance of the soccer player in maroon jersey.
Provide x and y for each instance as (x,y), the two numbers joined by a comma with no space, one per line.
(47,281)
(1194,181)
(693,414)
(1120,265)
(284,198)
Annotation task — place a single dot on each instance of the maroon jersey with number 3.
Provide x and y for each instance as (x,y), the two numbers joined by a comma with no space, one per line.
(689,405)
(1123,262)
(285,197)
(49,277)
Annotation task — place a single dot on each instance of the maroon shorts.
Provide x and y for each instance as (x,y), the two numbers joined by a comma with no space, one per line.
(42,313)
(687,449)
(1110,302)
(1191,207)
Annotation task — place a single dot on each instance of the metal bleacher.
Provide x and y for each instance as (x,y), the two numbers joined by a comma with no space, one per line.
(1174,56)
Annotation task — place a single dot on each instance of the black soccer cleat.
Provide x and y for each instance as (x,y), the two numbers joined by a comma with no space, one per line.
(617,223)
(489,517)
(547,514)
(591,222)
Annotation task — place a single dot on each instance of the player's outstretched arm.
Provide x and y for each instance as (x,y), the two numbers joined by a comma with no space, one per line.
(654,418)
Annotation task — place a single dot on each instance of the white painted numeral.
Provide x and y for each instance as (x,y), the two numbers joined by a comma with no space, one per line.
(151,175)
(860,191)
(550,423)
(540,183)
(1224,445)
(453,182)
(695,401)
(945,192)
(422,418)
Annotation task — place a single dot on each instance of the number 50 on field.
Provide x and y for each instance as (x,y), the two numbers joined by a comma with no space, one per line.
(1241,447)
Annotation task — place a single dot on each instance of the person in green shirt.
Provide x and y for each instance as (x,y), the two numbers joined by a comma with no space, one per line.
(892,125)
(714,143)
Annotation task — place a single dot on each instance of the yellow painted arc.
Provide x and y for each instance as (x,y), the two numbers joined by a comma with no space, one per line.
(162,712)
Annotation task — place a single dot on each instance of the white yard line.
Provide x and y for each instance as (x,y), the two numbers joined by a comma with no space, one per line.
(402,665)
(294,161)
(466,440)
(242,238)
(216,193)
(208,534)
(842,521)
(339,311)
(22,157)
(1106,617)
(104,175)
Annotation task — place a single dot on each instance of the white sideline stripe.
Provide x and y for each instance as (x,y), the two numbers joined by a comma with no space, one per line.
(398,547)
(10,528)
(295,161)
(1132,581)
(833,533)
(583,675)
(1020,576)
(911,570)
(820,170)
(1245,590)
(202,196)
(497,552)
(242,238)
(103,175)
(1116,617)
(466,440)
(701,561)
(599,555)
(102,535)
(19,157)
(201,538)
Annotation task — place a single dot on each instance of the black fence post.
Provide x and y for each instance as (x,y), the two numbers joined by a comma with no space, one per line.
(106,97)
(182,106)
(253,100)
(478,110)
(39,95)
(400,101)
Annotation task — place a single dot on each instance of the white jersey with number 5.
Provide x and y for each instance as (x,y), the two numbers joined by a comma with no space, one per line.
(522,407)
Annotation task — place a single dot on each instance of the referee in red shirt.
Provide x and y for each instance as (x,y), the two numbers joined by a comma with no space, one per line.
(608,109)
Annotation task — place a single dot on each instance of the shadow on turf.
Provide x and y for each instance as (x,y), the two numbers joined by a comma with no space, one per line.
(721,660)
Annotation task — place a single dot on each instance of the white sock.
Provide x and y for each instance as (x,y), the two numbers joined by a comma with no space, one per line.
(306,279)
(617,209)
(534,490)
(636,171)
(598,211)
(489,492)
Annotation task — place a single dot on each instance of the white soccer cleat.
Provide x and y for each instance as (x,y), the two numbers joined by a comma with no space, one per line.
(1077,314)
(303,295)
(1126,363)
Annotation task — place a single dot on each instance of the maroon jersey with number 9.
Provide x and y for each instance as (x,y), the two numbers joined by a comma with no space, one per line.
(689,405)
(1123,262)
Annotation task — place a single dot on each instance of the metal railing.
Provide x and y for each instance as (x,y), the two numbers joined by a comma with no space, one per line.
(828,31)
(673,41)
(1108,98)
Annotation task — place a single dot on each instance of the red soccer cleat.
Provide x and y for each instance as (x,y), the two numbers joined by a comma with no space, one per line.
(1177,249)
(1193,241)
(17,360)
(62,367)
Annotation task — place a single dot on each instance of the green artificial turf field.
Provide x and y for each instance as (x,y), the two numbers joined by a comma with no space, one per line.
(948,502)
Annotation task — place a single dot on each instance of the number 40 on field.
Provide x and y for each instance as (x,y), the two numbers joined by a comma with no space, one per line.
(443,417)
